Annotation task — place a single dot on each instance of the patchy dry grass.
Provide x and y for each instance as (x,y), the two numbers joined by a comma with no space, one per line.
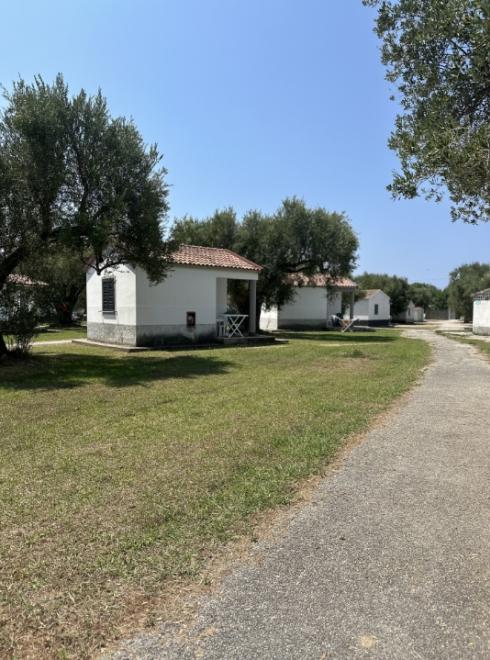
(121,472)
(481,344)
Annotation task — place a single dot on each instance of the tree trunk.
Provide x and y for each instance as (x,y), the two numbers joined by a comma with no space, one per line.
(64,312)
(3,347)
(7,265)
(65,309)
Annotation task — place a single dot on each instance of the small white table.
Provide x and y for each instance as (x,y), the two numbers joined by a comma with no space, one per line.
(230,324)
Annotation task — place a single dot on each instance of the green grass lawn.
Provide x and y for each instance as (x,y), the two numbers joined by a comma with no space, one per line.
(121,472)
(54,333)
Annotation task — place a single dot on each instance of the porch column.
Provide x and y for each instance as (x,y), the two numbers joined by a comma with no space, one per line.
(252,306)
(351,305)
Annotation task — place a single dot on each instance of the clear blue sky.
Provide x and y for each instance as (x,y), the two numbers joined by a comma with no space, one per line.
(250,101)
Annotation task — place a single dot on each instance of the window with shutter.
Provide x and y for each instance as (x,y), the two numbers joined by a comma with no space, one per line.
(108,295)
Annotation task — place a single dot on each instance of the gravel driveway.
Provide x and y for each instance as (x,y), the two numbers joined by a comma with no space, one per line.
(388,560)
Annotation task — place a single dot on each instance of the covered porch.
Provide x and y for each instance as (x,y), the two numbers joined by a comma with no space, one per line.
(345,291)
(230,323)
(349,299)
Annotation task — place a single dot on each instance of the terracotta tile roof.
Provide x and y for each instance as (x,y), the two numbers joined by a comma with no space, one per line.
(321,279)
(195,255)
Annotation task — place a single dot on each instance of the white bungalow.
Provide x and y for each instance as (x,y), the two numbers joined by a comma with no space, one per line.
(189,305)
(313,305)
(418,314)
(373,308)
(412,314)
(481,312)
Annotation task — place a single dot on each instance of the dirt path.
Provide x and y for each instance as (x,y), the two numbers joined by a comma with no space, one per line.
(389,560)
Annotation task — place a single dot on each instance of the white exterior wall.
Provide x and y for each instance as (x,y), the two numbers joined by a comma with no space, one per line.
(147,313)
(125,282)
(183,290)
(383,302)
(161,309)
(481,317)
(365,307)
(361,310)
(119,327)
(310,307)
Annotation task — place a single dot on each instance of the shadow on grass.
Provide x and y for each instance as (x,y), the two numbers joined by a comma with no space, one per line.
(351,337)
(65,370)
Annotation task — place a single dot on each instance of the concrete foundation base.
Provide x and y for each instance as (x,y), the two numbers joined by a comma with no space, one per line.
(150,335)
(112,333)
(481,330)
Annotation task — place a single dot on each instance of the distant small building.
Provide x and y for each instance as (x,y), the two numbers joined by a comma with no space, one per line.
(412,314)
(313,306)
(481,312)
(373,308)
(418,314)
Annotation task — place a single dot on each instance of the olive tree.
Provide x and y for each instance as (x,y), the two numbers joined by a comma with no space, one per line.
(437,54)
(295,238)
(72,175)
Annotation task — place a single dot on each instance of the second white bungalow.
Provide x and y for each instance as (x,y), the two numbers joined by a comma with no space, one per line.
(373,308)
(313,305)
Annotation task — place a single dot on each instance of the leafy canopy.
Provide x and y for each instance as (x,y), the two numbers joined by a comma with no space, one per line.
(220,230)
(62,271)
(438,54)
(464,282)
(294,238)
(73,177)
(70,174)
(427,296)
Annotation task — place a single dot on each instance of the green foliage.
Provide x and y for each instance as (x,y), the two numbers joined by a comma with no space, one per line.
(219,230)
(19,316)
(464,282)
(396,288)
(427,296)
(72,175)
(294,238)
(437,53)
(63,272)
